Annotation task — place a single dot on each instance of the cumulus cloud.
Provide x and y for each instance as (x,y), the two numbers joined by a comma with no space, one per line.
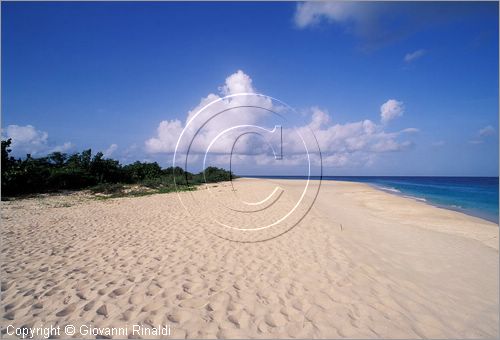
(364,136)
(62,148)
(341,144)
(110,150)
(410,57)
(487,131)
(238,82)
(391,109)
(319,118)
(167,134)
(27,139)
(168,131)
(355,143)
(26,135)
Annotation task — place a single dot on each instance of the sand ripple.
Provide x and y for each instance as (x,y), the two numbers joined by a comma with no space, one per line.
(396,268)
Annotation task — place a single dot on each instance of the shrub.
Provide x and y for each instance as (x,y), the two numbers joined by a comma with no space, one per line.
(59,171)
(108,188)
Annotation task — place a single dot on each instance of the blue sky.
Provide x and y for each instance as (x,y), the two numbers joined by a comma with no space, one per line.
(105,75)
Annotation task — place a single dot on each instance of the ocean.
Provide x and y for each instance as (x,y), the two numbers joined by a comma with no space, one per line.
(476,196)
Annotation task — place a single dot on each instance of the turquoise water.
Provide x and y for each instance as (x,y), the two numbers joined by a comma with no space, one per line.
(477,196)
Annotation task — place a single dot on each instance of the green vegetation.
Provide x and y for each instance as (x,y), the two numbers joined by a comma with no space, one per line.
(59,171)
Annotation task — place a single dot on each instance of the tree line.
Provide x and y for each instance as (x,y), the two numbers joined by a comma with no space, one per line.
(82,170)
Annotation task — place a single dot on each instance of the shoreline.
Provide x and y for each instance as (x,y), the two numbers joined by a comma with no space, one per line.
(432,204)
(379,187)
(399,193)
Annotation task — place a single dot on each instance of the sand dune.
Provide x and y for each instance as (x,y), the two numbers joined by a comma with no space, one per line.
(362,263)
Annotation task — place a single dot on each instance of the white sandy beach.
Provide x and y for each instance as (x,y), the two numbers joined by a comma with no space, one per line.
(362,264)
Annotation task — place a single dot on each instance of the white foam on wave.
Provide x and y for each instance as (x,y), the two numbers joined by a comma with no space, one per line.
(416,198)
(390,189)
(394,190)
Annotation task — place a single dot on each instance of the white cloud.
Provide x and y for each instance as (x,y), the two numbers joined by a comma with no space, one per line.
(27,139)
(62,148)
(26,135)
(351,143)
(238,82)
(372,23)
(319,118)
(487,131)
(363,136)
(336,160)
(168,132)
(483,134)
(438,143)
(476,141)
(377,23)
(410,130)
(391,109)
(410,57)
(390,144)
(311,13)
(110,150)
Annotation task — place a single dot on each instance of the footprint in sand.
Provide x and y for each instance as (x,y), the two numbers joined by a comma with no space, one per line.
(156,304)
(275,320)
(103,310)
(66,311)
(10,315)
(89,306)
(179,316)
(82,295)
(118,292)
(136,299)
